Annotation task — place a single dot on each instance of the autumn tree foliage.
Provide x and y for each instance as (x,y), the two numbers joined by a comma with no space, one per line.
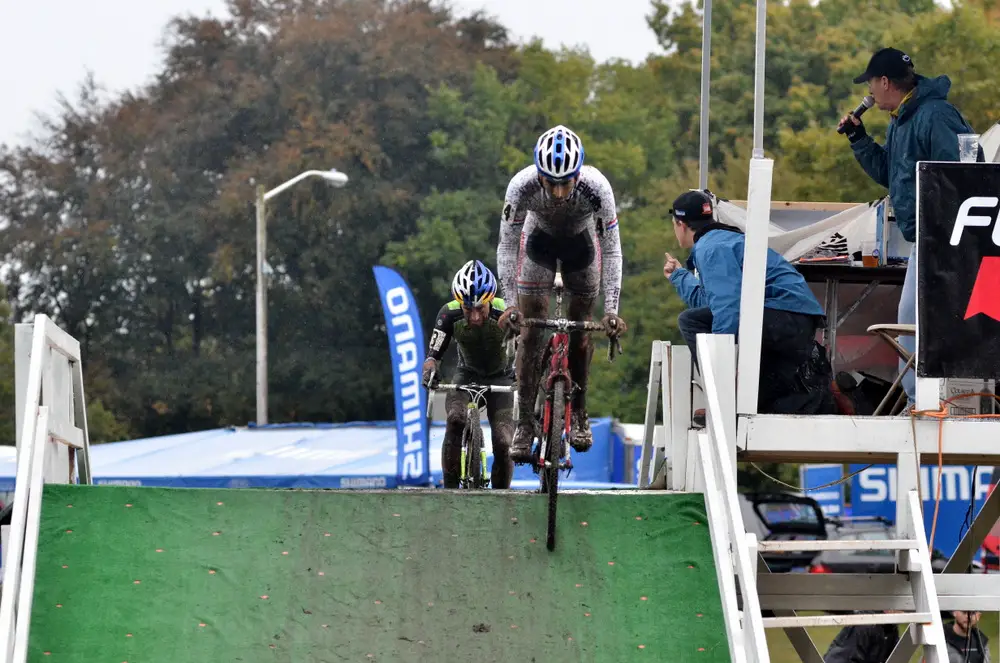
(131,220)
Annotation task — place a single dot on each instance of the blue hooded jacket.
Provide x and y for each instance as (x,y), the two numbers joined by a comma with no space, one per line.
(926,129)
(718,256)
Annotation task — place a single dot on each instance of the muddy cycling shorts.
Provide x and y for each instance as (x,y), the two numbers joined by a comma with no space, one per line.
(579,254)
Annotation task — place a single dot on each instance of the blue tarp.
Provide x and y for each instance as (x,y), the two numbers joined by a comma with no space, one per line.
(350,455)
(8,468)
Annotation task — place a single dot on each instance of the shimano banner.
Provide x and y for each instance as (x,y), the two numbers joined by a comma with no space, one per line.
(958,269)
(873,493)
(820,483)
(406,347)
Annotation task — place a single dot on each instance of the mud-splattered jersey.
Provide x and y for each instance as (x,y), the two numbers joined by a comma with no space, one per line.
(592,203)
(480,349)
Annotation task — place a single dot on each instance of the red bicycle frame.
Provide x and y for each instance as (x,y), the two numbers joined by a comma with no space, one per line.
(558,354)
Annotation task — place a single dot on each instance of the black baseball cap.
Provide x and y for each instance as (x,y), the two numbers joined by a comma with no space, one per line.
(692,207)
(889,62)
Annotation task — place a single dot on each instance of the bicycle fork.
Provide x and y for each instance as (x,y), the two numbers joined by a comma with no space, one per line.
(482,465)
(565,459)
(463,478)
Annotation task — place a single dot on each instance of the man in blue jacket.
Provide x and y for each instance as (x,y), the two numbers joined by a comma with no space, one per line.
(924,127)
(795,374)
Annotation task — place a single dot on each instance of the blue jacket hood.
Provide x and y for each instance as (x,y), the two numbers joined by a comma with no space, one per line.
(928,89)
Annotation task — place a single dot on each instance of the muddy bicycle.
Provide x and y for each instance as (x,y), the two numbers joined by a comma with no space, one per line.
(554,410)
(474,475)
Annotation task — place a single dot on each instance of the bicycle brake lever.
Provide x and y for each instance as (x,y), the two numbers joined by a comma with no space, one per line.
(430,392)
(613,345)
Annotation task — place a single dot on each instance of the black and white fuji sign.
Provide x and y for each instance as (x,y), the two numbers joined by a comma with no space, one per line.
(958,270)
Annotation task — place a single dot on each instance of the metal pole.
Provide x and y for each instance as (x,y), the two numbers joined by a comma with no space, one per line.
(758,95)
(706,75)
(261,309)
(334,177)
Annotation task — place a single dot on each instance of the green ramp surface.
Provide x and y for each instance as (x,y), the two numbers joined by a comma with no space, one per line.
(151,575)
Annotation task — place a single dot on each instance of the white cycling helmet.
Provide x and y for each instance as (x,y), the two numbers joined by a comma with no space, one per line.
(474,284)
(558,153)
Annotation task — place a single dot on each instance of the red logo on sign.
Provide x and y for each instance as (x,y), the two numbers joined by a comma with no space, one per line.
(985,296)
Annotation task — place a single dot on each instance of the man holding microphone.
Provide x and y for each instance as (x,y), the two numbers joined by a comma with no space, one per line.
(924,127)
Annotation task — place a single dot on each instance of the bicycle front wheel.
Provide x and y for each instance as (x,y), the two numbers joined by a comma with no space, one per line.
(553,452)
(474,454)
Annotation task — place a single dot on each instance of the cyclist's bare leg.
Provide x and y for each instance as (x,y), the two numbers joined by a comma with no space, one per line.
(529,354)
(581,351)
(500,411)
(456,409)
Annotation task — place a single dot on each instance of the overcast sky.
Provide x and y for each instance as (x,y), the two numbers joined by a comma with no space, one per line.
(47,46)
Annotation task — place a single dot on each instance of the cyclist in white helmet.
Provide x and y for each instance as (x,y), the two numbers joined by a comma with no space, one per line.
(558,209)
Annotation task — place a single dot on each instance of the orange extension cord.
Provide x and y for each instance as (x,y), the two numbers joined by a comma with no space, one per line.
(941,415)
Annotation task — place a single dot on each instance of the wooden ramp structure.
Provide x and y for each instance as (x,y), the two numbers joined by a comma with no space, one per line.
(678,456)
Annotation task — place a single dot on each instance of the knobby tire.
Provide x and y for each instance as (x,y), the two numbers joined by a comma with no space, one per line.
(553,453)
(473,454)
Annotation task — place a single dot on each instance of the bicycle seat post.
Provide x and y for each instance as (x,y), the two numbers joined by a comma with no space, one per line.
(557,285)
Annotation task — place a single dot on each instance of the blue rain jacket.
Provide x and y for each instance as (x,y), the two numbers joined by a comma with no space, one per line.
(718,257)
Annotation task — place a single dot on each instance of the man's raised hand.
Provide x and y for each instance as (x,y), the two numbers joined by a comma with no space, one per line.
(670,264)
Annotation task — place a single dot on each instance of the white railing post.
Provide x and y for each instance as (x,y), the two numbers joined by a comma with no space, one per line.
(758,87)
(716,357)
(663,452)
(26,581)
(752,293)
(19,513)
(722,549)
(649,425)
(23,344)
(681,453)
(925,598)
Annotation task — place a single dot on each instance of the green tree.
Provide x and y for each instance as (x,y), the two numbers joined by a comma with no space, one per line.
(102,424)
(131,222)
(813,52)
(486,133)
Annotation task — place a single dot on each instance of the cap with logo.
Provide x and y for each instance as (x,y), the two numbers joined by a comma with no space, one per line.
(692,207)
(888,62)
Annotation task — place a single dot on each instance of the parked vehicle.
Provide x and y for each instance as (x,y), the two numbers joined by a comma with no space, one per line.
(784,517)
(864,561)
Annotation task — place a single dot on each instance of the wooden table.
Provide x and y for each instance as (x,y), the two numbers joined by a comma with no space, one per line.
(832,276)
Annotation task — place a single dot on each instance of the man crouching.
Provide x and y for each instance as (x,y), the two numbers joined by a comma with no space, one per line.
(795,374)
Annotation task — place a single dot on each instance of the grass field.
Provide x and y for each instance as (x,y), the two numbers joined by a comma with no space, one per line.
(782,652)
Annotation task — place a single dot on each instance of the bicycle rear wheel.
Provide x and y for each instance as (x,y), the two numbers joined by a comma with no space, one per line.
(553,452)
(473,453)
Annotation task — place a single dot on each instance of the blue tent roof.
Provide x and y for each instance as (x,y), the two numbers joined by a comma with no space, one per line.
(349,455)
(8,468)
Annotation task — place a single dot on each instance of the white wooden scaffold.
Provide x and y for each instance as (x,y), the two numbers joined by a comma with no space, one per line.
(52,447)
(677,456)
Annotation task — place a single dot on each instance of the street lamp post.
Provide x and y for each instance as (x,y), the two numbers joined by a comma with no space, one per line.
(337,179)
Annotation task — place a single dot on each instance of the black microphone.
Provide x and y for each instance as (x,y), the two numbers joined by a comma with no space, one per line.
(865,104)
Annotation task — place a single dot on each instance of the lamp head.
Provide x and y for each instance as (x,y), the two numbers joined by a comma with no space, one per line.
(335,177)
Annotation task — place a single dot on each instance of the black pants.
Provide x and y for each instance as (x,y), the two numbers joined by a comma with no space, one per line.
(795,373)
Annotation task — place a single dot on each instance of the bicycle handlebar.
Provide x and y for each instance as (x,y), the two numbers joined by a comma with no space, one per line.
(478,388)
(564,325)
(476,391)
